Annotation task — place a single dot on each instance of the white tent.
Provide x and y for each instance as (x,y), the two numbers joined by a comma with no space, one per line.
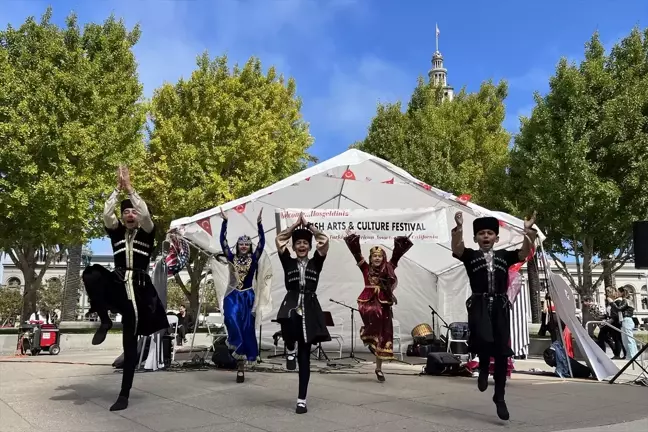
(428,274)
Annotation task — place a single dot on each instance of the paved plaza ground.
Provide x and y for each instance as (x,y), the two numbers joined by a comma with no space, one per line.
(74,393)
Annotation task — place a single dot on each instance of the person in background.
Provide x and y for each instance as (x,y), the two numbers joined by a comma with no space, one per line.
(624,310)
(185,324)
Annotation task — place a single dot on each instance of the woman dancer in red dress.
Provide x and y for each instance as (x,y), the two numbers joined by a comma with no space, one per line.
(376,299)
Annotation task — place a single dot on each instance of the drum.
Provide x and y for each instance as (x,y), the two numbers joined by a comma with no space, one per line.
(422,331)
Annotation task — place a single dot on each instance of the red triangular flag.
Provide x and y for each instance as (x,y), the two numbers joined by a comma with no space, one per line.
(240,208)
(463,199)
(390,181)
(425,186)
(206,225)
(348,175)
(307,179)
(501,223)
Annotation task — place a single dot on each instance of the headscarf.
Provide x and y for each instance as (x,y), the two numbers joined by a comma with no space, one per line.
(385,272)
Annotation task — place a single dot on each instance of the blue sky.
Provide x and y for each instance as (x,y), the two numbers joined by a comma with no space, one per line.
(346,55)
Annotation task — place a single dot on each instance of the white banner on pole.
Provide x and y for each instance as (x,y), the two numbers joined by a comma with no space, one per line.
(563,298)
(427,225)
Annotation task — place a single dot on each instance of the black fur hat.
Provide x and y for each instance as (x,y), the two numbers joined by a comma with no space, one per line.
(486,223)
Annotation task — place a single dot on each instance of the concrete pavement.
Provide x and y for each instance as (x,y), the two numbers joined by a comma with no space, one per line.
(75,393)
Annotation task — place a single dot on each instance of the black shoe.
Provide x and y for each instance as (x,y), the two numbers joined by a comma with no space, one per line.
(380,376)
(301,408)
(240,377)
(291,362)
(100,334)
(502,410)
(482,381)
(121,404)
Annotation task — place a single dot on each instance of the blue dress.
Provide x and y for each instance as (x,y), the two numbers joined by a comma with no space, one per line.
(239,301)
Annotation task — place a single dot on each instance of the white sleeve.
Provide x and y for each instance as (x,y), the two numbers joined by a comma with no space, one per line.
(110,220)
(143,214)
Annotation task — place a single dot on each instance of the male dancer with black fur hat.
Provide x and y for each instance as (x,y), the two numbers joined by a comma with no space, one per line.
(128,290)
(300,315)
(489,306)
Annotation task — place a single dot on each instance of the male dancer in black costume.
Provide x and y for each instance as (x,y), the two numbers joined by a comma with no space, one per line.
(489,306)
(300,315)
(128,290)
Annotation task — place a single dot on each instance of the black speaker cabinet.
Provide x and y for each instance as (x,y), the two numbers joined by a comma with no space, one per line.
(640,243)
(441,363)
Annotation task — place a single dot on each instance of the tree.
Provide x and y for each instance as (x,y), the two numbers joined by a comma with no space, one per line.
(10,304)
(458,146)
(50,297)
(220,135)
(70,111)
(581,158)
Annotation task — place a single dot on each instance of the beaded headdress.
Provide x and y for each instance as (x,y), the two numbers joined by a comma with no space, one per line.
(376,249)
(244,239)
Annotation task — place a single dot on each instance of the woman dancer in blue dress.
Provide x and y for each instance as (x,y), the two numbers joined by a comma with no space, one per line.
(239,303)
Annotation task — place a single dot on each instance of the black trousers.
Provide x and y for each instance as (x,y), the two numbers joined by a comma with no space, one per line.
(293,335)
(99,287)
(129,343)
(499,374)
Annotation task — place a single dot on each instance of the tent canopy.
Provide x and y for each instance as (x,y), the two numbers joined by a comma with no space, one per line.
(428,274)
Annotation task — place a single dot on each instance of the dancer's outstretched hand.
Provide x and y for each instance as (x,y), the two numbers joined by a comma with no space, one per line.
(260,217)
(222,214)
(528,223)
(459,218)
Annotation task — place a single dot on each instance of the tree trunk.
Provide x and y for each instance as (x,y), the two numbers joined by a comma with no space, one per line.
(30,296)
(534,290)
(587,288)
(72,284)
(609,279)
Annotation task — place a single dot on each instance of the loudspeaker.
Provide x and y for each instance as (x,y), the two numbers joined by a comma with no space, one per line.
(440,363)
(640,244)
(222,357)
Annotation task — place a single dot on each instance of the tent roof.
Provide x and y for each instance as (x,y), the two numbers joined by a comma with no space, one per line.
(351,180)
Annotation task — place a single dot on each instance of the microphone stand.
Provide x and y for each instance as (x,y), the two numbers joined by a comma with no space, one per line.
(352,309)
(435,313)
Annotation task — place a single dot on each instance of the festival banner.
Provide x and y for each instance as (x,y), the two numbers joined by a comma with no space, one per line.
(428,225)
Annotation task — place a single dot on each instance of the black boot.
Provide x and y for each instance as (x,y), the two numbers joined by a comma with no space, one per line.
(102,331)
(502,409)
(482,381)
(121,404)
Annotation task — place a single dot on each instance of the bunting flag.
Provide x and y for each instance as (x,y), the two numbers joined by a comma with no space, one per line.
(348,175)
(206,225)
(464,199)
(240,208)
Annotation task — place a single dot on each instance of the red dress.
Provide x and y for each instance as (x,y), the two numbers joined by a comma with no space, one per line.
(376,299)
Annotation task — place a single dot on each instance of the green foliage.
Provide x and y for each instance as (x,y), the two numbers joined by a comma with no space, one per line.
(70,111)
(10,303)
(581,159)
(217,136)
(176,297)
(458,146)
(50,296)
